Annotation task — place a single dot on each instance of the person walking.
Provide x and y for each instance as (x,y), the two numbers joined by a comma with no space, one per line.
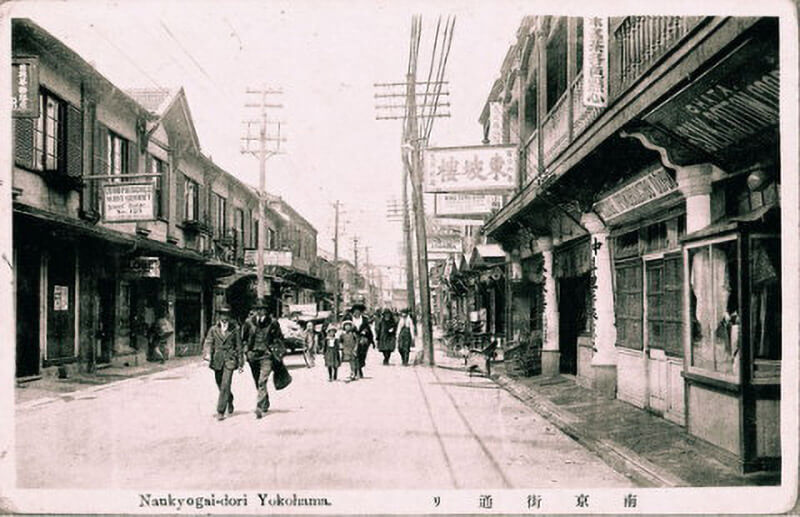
(364,335)
(405,336)
(248,327)
(332,353)
(161,331)
(348,340)
(224,354)
(264,346)
(386,327)
(309,341)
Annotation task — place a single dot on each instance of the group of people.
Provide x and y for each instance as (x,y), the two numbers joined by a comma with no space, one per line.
(351,343)
(259,341)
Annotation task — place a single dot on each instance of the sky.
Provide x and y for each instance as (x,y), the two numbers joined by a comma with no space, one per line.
(326,57)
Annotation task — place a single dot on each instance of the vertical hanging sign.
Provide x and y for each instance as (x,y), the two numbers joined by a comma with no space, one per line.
(25,87)
(595,61)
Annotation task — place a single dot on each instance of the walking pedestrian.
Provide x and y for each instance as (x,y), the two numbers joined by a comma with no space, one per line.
(349,341)
(248,327)
(365,337)
(386,326)
(405,336)
(309,340)
(224,354)
(266,347)
(332,353)
(160,332)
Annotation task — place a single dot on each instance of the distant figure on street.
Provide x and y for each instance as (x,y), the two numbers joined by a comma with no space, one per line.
(332,353)
(264,346)
(248,327)
(405,335)
(159,333)
(349,342)
(364,334)
(385,327)
(223,347)
(309,341)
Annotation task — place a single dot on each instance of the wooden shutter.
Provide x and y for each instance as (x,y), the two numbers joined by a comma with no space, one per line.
(74,141)
(100,164)
(180,186)
(166,178)
(23,142)
(133,158)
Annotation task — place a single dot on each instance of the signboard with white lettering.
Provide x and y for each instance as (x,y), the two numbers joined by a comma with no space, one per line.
(25,87)
(466,205)
(485,168)
(128,202)
(60,298)
(271,258)
(655,184)
(447,243)
(144,267)
(595,61)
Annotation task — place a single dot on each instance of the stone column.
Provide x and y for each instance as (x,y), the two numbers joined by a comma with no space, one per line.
(694,181)
(604,360)
(551,356)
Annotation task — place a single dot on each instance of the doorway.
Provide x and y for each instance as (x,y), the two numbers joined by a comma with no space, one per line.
(105,318)
(61,303)
(573,318)
(28,283)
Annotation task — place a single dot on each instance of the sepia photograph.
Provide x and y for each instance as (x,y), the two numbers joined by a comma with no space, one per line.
(376,257)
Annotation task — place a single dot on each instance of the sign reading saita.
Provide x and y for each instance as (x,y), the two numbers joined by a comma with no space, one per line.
(25,87)
(271,258)
(655,184)
(470,169)
(128,202)
(467,205)
(595,61)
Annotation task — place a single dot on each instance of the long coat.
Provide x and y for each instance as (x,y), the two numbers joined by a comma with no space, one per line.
(364,332)
(348,343)
(265,338)
(386,327)
(224,349)
(332,353)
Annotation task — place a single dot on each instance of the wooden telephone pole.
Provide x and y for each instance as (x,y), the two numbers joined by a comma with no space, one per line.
(337,288)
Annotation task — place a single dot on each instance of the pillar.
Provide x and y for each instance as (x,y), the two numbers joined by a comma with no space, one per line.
(551,356)
(694,182)
(604,360)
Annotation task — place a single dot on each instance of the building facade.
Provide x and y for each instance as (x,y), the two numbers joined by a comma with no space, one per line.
(644,237)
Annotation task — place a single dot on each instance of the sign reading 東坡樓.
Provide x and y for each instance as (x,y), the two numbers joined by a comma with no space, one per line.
(485,168)
(25,87)
(467,205)
(595,61)
(128,202)
(653,185)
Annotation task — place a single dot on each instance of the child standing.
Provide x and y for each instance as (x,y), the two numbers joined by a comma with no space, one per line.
(332,353)
(348,341)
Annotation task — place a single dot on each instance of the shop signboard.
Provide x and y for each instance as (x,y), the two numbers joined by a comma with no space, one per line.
(128,202)
(653,185)
(595,61)
(477,169)
(60,298)
(25,87)
(446,243)
(143,267)
(304,309)
(271,257)
(466,205)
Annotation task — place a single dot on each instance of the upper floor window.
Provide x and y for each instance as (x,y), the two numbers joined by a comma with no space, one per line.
(238,222)
(579,45)
(191,201)
(220,214)
(557,64)
(49,133)
(116,155)
(254,231)
(158,167)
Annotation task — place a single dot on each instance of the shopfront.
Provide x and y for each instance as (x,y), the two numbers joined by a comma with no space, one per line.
(572,270)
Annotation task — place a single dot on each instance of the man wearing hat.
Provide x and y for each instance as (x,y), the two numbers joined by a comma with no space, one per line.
(364,334)
(265,344)
(224,354)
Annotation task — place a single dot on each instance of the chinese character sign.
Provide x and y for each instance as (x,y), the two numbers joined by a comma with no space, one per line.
(470,169)
(129,202)
(595,61)
(25,88)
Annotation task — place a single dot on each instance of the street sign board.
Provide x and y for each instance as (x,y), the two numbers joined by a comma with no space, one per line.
(271,258)
(128,202)
(466,205)
(25,87)
(654,184)
(143,267)
(445,243)
(595,61)
(483,168)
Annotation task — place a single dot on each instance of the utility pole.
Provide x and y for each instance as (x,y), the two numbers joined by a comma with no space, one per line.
(336,206)
(263,154)
(370,299)
(408,251)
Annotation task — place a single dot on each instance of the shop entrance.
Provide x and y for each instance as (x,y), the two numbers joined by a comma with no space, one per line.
(572,319)
(27,284)
(61,303)
(105,329)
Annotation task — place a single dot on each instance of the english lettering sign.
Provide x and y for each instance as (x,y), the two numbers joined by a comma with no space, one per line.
(271,258)
(466,205)
(128,202)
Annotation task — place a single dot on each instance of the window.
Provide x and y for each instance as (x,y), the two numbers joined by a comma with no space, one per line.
(254,233)
(627,244)
(664,307)
(271,244)
(765,305)
(157,167)
(191,202)
(238,222)
(714,312)
(220,215)
(48,134)
(556,65)
(629,304)
(579,45)
(116,155)
(531,106)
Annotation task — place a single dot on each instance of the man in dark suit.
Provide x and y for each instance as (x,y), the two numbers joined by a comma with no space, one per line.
(364,333)
(224,354)
(265,344)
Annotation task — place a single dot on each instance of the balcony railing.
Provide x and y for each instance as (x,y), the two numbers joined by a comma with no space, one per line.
(532,158)
(582,115)
(555,129)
